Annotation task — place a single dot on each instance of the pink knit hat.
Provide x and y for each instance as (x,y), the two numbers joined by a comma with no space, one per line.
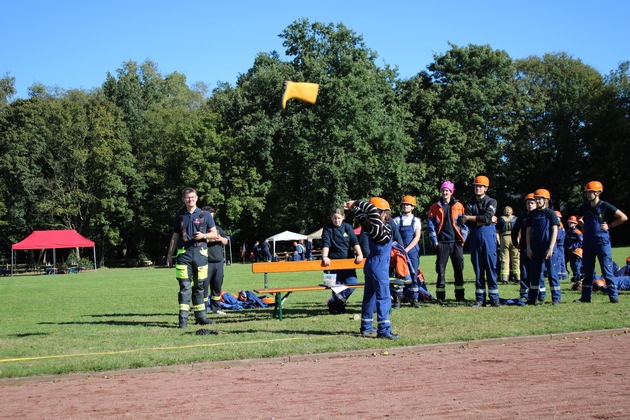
(449,185)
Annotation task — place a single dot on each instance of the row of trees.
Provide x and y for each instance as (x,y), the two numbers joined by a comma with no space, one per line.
(112,161)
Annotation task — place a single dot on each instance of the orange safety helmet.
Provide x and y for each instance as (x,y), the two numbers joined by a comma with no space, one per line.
(408,199)
(594,186)
(482,180)
(380,203)
(599,284)
(529,196)
(542,193)
(572,219)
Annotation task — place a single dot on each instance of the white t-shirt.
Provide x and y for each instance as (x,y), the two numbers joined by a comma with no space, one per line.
(406,221)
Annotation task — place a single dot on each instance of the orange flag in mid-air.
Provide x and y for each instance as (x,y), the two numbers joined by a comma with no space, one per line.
(299,90)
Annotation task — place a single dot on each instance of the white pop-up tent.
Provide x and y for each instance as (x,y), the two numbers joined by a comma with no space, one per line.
(285,236)
(317,234)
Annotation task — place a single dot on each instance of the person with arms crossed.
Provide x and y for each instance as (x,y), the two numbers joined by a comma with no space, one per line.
(480,218)
(192,227)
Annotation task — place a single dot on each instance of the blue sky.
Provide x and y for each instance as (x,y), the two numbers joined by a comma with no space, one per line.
(73,44)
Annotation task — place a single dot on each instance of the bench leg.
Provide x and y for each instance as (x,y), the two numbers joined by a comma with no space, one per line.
(277,309)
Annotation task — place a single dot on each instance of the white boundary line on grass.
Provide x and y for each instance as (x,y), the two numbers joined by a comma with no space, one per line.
(61,356)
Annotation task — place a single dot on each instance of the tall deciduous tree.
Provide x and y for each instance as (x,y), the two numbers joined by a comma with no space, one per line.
(462,113)
(549,150)
(308,158)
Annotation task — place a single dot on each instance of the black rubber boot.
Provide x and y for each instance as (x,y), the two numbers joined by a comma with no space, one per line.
(183,319)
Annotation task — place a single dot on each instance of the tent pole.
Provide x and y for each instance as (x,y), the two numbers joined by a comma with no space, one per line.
(11,262)
(94,250)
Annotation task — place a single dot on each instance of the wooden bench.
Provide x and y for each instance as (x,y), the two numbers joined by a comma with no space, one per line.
(296,267)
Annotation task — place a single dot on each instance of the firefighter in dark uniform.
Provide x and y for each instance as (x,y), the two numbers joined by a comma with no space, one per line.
(598,217)
(192,227)
(572,242)
(481,218)
(374,216)
(541,235)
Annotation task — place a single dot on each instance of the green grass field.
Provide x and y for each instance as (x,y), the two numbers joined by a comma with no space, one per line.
(126,318)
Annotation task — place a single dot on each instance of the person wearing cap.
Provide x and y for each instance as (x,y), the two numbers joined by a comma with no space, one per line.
(542,232)
(480,217)
(373,217)
(509,255)
(340,242)
(410,229)
(598,217)
(519,234)
(448,237)
(572,242)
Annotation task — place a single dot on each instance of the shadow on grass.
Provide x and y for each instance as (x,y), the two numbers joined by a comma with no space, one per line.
(115,323)
(24,335)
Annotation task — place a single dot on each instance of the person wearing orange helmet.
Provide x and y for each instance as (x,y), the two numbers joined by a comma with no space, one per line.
(598,217)
(480,218)
(448,238)
(410,229)
(542,232)
(573,241)
(625,270)
(374,216)
(519,234)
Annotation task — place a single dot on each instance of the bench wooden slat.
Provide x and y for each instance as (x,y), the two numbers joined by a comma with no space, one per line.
(295,266)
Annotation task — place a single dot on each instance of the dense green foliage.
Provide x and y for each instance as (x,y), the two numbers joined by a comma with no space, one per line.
(126,318)
(111,162)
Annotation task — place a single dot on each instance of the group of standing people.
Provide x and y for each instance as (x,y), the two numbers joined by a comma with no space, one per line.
(530,240)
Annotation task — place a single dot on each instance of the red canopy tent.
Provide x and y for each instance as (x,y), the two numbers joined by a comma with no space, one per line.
(47,239)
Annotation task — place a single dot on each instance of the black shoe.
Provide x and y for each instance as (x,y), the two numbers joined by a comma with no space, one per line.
(183,323)
(495,304)
(438,301)
(532,302)
(331,307)
(614,300)
(369,334)
(462,300)
(203,321)
(580,301)
(555,302)
(414,303)
(390,336)
(478,304)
